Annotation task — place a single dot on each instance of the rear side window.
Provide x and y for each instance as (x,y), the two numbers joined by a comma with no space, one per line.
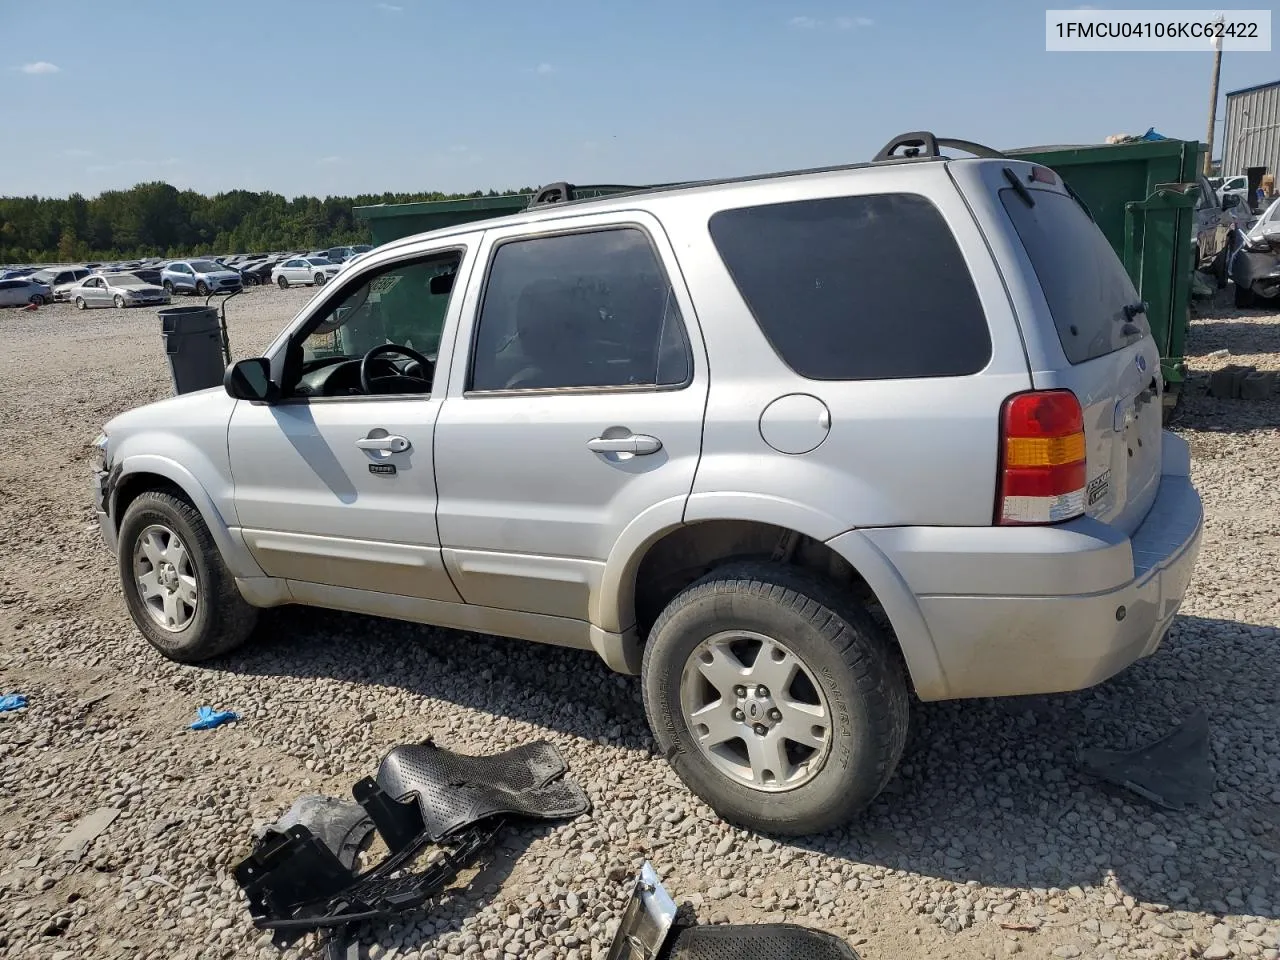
(1083,280)
(857,288)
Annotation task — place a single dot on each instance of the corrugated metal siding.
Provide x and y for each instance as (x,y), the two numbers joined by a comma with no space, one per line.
(1251,135)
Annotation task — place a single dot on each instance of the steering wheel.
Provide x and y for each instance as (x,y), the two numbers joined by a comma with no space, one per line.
(398,382)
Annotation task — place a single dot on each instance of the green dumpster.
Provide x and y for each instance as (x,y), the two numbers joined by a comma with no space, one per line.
(1141,196)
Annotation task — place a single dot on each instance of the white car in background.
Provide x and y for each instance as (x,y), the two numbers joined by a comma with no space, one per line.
(20,291)
(304,270)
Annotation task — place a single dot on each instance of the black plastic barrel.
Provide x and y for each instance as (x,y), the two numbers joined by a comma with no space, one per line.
(193,343)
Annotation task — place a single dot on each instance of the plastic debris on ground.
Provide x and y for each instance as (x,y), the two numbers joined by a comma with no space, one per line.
(207,718)
(1173,772)
(87,828)
(12,701)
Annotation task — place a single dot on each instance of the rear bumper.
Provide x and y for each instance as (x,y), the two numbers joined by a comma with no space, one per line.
(1016,611)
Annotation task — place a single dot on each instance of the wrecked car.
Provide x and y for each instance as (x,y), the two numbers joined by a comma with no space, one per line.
(1255,266)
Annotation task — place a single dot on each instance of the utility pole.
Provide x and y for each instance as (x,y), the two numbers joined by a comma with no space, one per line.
(1213,104)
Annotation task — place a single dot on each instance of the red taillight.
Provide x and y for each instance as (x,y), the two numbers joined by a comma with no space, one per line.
(1042,458)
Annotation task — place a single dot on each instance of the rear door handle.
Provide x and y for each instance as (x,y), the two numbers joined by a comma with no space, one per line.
(391,444)
(636,443)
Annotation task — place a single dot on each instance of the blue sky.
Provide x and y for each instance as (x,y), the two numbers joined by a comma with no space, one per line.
(347,96)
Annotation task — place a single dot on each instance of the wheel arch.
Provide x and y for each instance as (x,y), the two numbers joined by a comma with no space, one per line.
(666,561)
(144,473)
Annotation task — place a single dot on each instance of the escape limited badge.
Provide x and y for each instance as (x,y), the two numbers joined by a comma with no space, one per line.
(1098,487)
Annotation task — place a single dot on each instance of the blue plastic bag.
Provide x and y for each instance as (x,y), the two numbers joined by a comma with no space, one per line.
(12,701)
(207,718)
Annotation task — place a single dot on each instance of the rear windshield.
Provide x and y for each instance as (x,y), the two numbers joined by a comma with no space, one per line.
(1083,280)
(857,288)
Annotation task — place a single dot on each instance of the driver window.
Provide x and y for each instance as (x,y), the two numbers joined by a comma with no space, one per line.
(403,304)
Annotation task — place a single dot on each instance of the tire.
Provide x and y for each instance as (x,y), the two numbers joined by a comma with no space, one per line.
(38,299)
(202,288)
(845,660)
(319,279)
(168,287)
(1244,296)
(220,620)
(80,304)
(119,302)
(283,282)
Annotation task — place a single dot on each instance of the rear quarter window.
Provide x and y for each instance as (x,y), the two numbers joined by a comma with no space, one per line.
(1084,282)
(857,288)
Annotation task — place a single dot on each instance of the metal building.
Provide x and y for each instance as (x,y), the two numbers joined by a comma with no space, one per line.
(1251,138)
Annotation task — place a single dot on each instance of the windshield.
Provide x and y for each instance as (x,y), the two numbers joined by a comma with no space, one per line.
(1088,291)
(319,262)
(403,304)
(206,266)
(124,280)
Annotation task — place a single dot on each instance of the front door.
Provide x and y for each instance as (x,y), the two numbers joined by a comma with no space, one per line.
(335,484)
(575,405)
(95,292)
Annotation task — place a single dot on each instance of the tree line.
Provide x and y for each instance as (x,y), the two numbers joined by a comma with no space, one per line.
(158,220)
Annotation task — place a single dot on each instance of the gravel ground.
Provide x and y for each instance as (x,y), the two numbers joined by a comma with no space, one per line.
(988,842)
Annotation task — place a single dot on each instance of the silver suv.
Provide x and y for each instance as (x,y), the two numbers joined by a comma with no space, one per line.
(792,448)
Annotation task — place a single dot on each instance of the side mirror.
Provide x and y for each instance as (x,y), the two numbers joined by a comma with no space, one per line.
(251,380)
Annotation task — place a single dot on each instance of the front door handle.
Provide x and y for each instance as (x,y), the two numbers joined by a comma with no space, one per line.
(636,443)
(391,444)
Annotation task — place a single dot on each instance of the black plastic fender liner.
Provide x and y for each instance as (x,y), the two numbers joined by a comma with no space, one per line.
(764,941)
(454,791)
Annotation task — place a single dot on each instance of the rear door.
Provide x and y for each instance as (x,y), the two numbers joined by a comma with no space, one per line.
(575,405)
(1085,329)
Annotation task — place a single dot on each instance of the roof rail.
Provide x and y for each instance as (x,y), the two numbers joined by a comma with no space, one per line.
(914,143)
(562,192)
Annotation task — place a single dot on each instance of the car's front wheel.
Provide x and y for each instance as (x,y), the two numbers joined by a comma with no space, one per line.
(283,282)
(319,278)
(119,302)
(179,592)
(37,299)
(202,288)
(80,304)
(776,699)
(168,287)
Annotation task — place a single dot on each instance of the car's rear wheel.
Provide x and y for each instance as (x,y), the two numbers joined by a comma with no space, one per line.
(775,698)
(119,302)
(179,592)
(319,278)
(37,299)
(202,288)
(168,287)
(80,304)
(283,283)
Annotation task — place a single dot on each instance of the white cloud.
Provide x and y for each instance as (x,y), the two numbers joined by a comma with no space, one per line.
(544,68)
(331,160)
(389,7)
(839,23)
(40,67)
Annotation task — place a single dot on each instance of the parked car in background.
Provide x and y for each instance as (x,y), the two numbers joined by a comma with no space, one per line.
(20,291)
(1219,223)
(118,290)
(199,276)
(260,270)
(1255,267)
(1237,186)
(57,277)
(304,270)
(343,254)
